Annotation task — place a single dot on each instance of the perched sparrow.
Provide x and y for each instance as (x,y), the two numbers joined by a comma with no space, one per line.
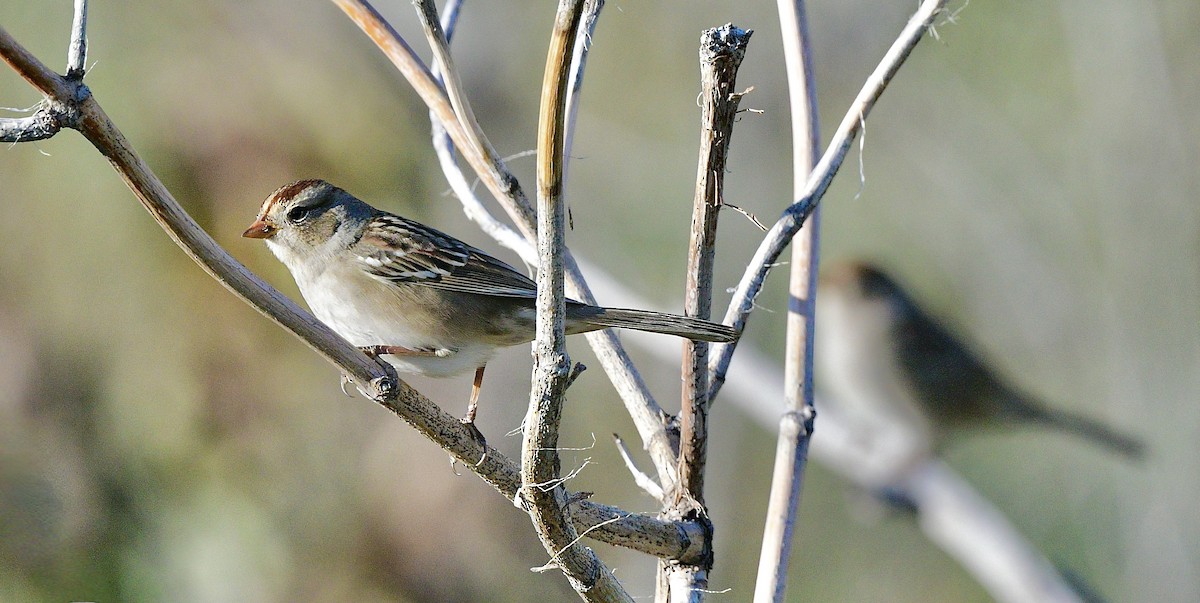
(879,354)
(427,302)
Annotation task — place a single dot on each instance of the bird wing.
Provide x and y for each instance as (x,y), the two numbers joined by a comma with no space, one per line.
(398,250)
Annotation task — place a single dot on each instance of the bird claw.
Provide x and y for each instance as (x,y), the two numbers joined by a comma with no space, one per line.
(478,437)
(347,380)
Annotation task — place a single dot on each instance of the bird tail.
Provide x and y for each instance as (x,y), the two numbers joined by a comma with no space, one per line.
(1098,433)
(590,318)
(1087,428)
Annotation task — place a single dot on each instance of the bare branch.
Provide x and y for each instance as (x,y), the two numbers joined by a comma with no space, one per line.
(721,53)
(34,71)
(77,51)
(44,123)
(796,424)
(590,578)
(491,169)
(427,11)
(583,44)
(781,233)
(444,148)
(643,481)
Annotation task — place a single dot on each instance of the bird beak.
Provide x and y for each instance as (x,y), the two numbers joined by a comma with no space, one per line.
(259,230)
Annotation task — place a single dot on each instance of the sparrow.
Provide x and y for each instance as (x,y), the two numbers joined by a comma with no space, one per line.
(416,297)
(879,353)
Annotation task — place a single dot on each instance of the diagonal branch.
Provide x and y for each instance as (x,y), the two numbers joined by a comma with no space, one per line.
(438,41)
(491,169)
(781,233)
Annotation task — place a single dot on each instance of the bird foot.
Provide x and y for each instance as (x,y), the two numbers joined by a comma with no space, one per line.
(476,435)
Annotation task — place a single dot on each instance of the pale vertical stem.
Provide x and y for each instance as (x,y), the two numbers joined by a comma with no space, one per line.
(795,426)
(541,486)
(77,50)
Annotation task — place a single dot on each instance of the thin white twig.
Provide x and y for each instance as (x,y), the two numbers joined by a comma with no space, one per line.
(643,481)
(431,24)
(591,14)
(77,51)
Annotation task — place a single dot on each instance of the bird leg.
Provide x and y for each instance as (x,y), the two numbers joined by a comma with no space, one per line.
(472,407)
(376,351)
(473,404)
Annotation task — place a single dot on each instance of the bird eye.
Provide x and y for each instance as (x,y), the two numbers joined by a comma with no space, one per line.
(298,214)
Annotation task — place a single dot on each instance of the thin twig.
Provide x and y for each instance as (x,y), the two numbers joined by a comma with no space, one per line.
(643,481)
(796,424)
(781,233)
(77,50)
(656,537)
(444,148)
(591,14)
(590,578)
(491,170)
(432,26)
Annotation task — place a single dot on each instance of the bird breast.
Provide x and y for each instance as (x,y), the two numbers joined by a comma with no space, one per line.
(367,311)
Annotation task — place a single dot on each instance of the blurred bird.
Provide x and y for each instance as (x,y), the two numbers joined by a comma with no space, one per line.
(882,358)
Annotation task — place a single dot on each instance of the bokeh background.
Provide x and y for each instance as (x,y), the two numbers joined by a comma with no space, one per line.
(1031,173)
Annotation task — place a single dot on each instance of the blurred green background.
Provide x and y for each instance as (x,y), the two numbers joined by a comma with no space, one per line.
(1032,173)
